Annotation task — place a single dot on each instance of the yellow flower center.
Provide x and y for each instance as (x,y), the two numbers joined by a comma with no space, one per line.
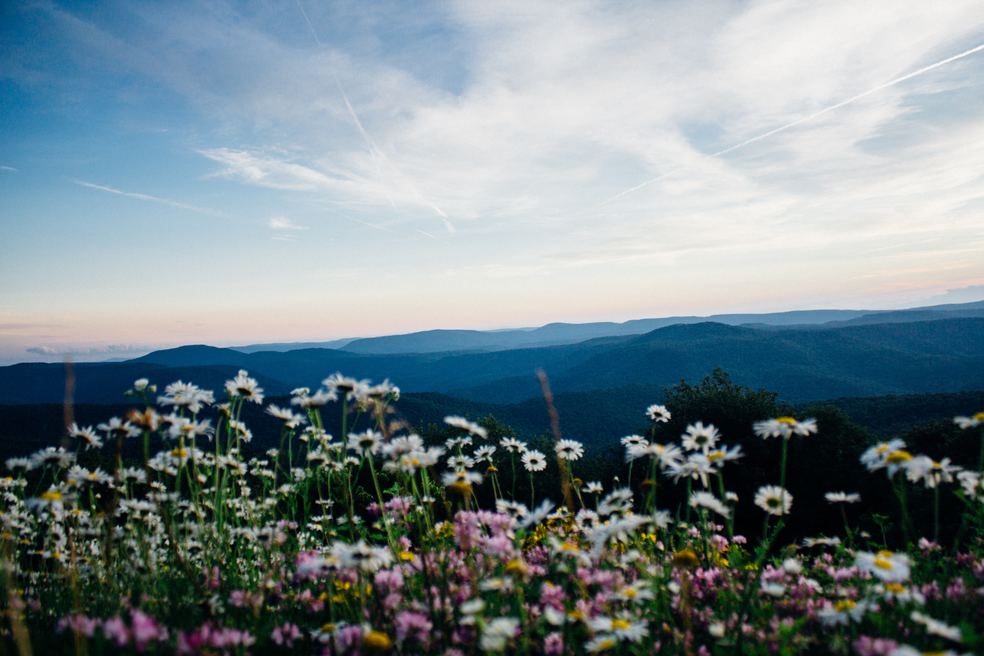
(461,487)
(979,416)
(895,457)
(406,556)
(883,563)
(327,627)
(620,624)
(179,452)
(51,495)
(714,456)
(516,566)
(845,605)
(896,588)
(630,593)
(606,644)
(377,640)
(789,421)
(686,558)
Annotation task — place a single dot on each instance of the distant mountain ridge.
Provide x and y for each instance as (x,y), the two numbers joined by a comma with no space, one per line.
(560,333)
(801,363)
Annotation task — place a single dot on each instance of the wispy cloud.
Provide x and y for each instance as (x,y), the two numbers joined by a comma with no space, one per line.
(749,151)
(74,350)
(810,117)
(283,223)
(8,169)
(148,198)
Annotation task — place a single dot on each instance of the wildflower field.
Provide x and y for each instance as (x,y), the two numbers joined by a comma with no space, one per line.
(165,531)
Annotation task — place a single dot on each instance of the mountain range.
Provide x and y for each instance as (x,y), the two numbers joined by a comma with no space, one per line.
(841,353)
(555,334)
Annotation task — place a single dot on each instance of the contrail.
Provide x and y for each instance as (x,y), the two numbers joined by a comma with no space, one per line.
(307,20)
(148,198)
(804,119)
(374,151)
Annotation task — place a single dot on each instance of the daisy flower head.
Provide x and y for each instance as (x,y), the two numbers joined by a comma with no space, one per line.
(346,385)
(461,478)
(725,454)
(385,390)
(303,398)
(86,435)
(361,556)
(497,633)
(842,497)
(874,457)
(710,502)
(534,461)
(143,385)
(970,422)
(570,450)
(619,627)
(774,500)
(484,454)
(180,394)
(286,415)
(50,455)
(633,440)
(468,426)
(658,413)
(842,612)
(784,427)
(593,487)
(699,437)
(930,472)
(244,387)
(936,627)
(971,482)
(117,428)
(696,466)
(368,441)
(185,427)
(512,445)
(885,565)
(668,455)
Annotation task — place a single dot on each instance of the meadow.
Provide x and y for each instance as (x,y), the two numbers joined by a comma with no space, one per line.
(164,531)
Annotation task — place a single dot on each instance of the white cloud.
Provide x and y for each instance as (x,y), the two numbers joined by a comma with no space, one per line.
(283,223)
(513,122)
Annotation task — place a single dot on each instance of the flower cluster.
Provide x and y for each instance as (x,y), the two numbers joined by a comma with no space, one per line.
(385,541)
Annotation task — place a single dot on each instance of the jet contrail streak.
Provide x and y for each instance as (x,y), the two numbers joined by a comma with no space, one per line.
(804,119)
(148,198)
(374,151)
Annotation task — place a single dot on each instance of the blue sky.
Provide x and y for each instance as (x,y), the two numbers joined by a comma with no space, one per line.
(230,173)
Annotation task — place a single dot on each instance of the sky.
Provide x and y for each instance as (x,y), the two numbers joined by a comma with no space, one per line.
(232,173)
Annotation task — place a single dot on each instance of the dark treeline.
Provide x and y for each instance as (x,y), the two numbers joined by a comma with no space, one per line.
(818,464)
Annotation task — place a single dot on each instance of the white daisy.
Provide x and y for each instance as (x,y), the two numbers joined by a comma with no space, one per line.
(512,445)
(784,427)
(709,501)
(570,450)
(970,422)
(658,413)
(699,437)
(774,500)
(534,461)
(842,497)
(244,387)
(885,565)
